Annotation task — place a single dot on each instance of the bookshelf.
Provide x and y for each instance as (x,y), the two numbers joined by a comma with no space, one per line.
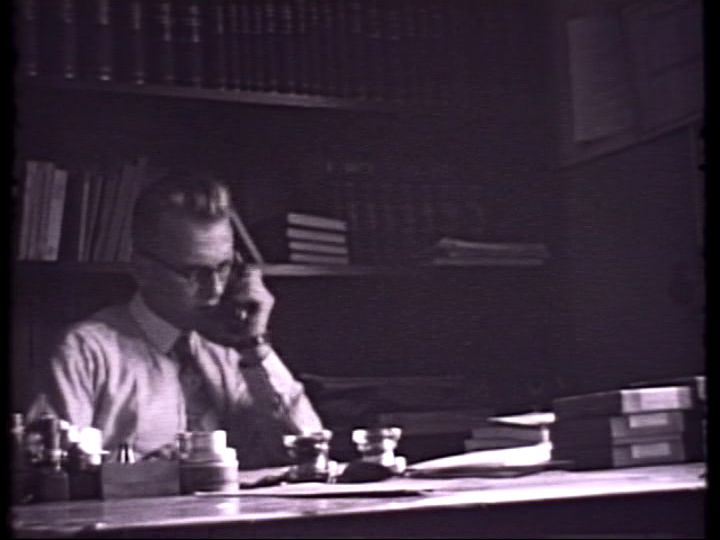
(289,270)
(239,96)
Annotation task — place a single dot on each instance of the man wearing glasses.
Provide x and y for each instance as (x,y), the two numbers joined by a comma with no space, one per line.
(190,351)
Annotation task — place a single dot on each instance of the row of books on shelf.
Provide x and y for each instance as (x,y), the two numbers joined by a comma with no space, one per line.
(84,215)
(78,216)
(359,49)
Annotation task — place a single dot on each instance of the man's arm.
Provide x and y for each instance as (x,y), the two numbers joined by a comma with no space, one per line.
(66,388)
(269,404)
(266,401)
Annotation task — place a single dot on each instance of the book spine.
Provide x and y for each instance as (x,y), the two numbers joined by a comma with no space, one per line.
(55,217)
(39,237)
(257,50)
(117,213)
(29,198)
(472,445)
(137,40)
(373,225)
(28,26)
(410,52)
(69,227)
(356,69)
(624,401)
(104,67)
(648,453)
(314,57)
(163,42)
(79,251)
(375,52)
(319,222)
(438,81)
(92,231)
(328,62)
(317,247)
(106,210)
(388,217)
(526,435)
(312,258)
(218,47)
(340,36)
(69,45)
(653,399)
(137,182)
(302,46)
(188,43)
(232,30)
(391,23)
(424,53)
(671,450)
(285,51)
(315,235)
(271,45)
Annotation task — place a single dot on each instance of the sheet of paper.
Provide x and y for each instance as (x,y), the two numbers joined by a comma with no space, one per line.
(395,487)
(521,456)
(526,419)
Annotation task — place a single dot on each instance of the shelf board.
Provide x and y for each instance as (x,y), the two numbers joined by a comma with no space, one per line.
(236,96)
(291,270)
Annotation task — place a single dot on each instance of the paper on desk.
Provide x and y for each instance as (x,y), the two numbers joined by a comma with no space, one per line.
(394,488)
(526,419)
(500,462)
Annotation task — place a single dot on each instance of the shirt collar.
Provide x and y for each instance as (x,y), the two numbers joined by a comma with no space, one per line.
(161,333)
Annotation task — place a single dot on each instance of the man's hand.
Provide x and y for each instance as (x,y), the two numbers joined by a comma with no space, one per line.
(251,301)
(244,310)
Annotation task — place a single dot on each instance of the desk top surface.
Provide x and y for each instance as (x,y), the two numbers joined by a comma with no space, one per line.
(295,501)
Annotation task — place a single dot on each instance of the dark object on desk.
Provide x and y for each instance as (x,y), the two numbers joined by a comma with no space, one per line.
(267,481)
(363,471)
(310,452)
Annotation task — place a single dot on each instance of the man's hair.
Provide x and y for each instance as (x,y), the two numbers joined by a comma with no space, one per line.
(198,197)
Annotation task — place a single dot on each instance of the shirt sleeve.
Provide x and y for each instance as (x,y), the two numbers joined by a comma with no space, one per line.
(67,388)
(269,403)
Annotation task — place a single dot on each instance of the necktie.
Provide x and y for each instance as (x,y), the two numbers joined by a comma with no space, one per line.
(197,400)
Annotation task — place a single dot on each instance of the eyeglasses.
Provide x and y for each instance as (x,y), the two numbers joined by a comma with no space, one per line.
(195,275)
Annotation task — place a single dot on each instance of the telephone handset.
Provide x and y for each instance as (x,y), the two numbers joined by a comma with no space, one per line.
(228,323)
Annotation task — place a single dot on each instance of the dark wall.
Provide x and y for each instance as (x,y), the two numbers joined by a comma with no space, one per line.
(635,291)
(630,289)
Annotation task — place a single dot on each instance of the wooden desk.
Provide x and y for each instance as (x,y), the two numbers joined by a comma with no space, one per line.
(647,502)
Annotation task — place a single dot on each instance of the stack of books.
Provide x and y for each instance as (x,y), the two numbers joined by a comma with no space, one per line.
(303,238)
(460,252)
(491,436)
(630,427)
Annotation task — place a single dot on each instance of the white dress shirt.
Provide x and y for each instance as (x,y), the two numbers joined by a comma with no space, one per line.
(114,372)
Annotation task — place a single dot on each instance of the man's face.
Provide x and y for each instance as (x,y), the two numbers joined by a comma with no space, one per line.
(185,269)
